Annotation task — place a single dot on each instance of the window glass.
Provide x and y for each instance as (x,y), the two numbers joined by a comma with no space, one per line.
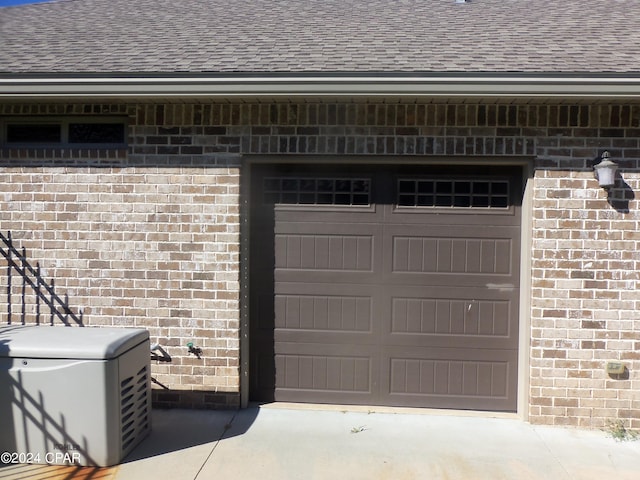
(452,193)
(34,133)
(317,191)
(61,131)
(96,133)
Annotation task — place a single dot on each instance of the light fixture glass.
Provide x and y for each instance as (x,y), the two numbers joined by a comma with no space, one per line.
(605,171)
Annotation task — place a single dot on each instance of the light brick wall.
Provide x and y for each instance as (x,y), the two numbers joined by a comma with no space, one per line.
(151,247)
(135,240)
(150,236)
(585,301)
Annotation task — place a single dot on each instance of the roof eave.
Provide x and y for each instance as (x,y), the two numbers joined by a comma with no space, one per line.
(19,87)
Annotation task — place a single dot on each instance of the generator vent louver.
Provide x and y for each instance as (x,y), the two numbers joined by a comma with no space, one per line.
(134,407)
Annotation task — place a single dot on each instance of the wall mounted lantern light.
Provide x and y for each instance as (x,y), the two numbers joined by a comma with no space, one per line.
(605,171)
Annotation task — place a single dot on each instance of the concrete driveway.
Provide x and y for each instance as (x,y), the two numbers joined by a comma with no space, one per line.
(293,443)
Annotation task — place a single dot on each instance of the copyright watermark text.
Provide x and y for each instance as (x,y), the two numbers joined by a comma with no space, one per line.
(52,458)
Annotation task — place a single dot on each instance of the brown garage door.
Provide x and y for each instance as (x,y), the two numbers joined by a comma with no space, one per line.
(385,286)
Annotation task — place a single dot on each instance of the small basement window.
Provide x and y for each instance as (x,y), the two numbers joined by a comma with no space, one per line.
(71,132)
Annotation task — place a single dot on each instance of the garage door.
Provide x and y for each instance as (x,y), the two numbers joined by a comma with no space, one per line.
(385,286)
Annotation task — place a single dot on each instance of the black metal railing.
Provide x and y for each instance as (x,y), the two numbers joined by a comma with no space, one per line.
(27,276)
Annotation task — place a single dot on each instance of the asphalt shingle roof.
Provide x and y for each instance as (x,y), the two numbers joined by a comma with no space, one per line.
(333,36)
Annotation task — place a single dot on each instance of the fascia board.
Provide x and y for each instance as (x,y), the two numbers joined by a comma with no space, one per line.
(17,87)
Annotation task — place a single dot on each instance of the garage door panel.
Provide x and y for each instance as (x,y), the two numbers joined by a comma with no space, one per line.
(336,373)
(452,316)
(324,313)
(451,250)
(331,252)
(438,377)
(323,252)
(346,373)
(334,313)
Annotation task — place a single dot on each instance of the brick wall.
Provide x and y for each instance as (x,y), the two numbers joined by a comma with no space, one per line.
(585,301)
(150,236)
(138,240)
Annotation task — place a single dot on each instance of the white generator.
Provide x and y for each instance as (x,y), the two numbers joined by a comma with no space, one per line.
(71,395)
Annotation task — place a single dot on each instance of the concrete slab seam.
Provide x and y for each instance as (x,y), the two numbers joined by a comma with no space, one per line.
(226,428)
(552,453)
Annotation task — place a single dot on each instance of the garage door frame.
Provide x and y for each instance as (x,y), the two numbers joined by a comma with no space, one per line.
(524,162)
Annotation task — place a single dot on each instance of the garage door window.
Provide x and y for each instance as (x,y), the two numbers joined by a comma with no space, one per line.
(444,193)
(317,191)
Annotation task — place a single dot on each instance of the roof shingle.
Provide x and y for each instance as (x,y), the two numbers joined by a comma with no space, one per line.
(331,36)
